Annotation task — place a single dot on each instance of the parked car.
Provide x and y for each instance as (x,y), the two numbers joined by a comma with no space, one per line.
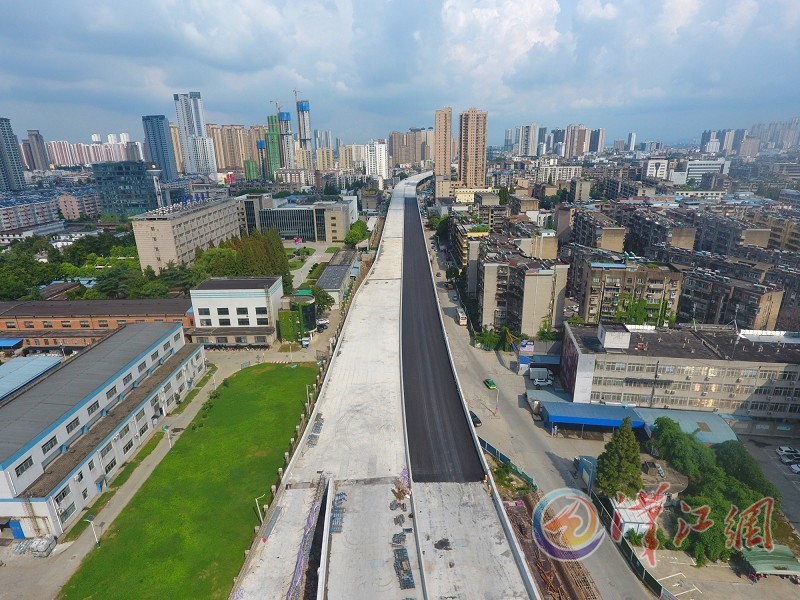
(781,450)
(795,468)
(790,458)
(476,422)
(489,383)
(323,321)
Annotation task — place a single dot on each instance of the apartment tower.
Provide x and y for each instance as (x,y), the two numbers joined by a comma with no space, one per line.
(442,150)
(158,145)
(11,170)
(197,149)
(472,148)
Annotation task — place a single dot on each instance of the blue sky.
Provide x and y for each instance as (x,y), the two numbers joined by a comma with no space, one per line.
(666,69)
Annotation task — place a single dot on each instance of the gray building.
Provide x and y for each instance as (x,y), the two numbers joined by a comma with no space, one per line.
(125,188)
(336,277)
(11,168)
(40,161)
(158,145)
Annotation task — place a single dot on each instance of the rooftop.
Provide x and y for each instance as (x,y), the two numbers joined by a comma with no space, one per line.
(94,308)
(18,372)
(25,416)
(333,277)
(237,283)
(175,211)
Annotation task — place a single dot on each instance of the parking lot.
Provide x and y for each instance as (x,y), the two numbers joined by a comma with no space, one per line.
(763,450)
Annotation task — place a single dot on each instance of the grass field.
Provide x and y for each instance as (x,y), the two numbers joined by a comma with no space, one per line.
(333,249)
(184,533)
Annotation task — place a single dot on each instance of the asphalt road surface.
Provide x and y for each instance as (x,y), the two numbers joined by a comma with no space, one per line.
(439,438)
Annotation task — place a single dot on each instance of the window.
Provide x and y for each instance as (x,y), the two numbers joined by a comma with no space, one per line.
(84,493)
(121,322)
(28,324)
(84,324)
(224,322)
(176,337)
(111,393)
(124,431)
(154,356)
(140,415)
(11,325)
(166,346)
(47,324)
(241,310)
(126,448)
(91,465)
(111,465)
(61,495)
(73,425)
(154,401)
(79,476)
(24,466)
(261,310)
(222,311)
(221,340)
(66,324)
(243,321)
(102,323)
(143,430)
(106,449)
(201,339)
(262,321)
(49,445)
(205,322)
(204,312)
(241,339)
(142,366)
(94,406)
(127,379)
(167,387)
(67,512)
(179,374)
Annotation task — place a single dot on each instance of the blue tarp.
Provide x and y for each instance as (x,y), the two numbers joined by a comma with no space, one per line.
(596,415)
(10,342)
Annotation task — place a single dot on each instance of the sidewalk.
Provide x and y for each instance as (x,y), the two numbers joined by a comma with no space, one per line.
(29,577)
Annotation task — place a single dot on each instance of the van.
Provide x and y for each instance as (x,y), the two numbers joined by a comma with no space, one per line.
(305,342)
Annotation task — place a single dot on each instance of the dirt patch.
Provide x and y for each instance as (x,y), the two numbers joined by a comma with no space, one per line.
(443,544)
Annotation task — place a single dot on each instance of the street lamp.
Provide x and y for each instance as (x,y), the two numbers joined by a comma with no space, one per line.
(90,520)
(497,402)
(165,429)
(258,507)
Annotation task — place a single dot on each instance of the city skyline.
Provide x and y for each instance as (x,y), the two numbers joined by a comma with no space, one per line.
(564,62)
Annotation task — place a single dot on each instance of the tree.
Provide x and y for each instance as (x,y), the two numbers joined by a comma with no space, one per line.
(452,272)
(443,228)
(358,231)
(504,195)
(322,299)
(117,281)
(619,467)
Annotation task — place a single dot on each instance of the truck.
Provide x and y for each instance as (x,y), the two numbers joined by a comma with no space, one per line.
(540,376)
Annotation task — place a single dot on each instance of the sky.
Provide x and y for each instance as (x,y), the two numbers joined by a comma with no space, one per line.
(667,69)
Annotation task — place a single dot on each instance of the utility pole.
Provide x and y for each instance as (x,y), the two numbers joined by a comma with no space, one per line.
(655,376)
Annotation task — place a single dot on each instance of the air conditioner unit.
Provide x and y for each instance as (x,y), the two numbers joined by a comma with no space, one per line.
(738,380)
(731,395)
(704,393)
(688,378)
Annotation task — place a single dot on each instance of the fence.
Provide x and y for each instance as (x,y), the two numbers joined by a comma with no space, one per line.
(507,461)
(628,551)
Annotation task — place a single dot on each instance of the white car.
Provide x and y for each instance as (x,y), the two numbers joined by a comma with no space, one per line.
(781,450)
(795,468)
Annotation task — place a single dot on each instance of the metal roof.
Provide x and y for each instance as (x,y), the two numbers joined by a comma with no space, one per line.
(600,415)
(333,277)
(19,372)
(778,561)
(708,427)
(237,283)
(27,416)
(10,342)
(101,308)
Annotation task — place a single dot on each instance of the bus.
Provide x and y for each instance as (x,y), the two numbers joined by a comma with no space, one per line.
(462,316)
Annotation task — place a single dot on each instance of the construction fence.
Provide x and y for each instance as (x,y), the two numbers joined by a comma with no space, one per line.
(507,461)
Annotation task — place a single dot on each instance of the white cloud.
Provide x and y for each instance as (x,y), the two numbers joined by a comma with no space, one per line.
(595,9)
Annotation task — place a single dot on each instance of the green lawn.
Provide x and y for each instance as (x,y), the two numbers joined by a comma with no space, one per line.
(184,533)
(295,264)
(333,249)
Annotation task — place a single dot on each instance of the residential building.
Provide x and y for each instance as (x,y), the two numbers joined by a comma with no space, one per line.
(576,141)
(304,124)
(197,149)
(173,234)
(126,188)
(552,173)
(692,171)
(715,299)
(597,140)
(286,140)
(74,204)
(175,136)
(617,187)
(630,146)
(236,311)
(16,215)
(720,234)
(273,146)
(472,148)
(522,204)
(377,159)
(85,420)
(516,291)
(40,161)
(11,168)
(442,151)
(633,291)
(490,211)
(579,190)
(593,228)
(324,159)
(465,237)
(648,230)
(784,229)
(43,325)
(752,374)
(158,145)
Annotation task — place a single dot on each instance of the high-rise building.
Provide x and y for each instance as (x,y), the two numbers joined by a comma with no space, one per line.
(322,138)
(576,141)
(176,146)
(631,146)
(286,139)
(345,157)
(273,140)
(304,124)
(507,145)
(597,140)
(376,159)
(442,151)
(527,140)
(125,188)
(324,159)
(197,149)
(472,148)
(41,162)
(158,145)
(11,170)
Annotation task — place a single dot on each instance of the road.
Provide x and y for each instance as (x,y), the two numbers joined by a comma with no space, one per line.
(439,437)
(513,430)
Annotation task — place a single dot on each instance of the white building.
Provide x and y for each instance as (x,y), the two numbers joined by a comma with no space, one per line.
(376,159)
(60,440)
(236,311)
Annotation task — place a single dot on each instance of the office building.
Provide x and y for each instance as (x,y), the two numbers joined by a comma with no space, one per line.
(376,159)
(84,420)
(304,125)
(750,373)
(310,220)
(286,139)
(597,140)
(631,145)
(197,149)
(125,188)
(158,145)
(11,169)
(472,148)
(172,234)
(236,311)
(442,151)
(39,157)
(692,171)
(174,135)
